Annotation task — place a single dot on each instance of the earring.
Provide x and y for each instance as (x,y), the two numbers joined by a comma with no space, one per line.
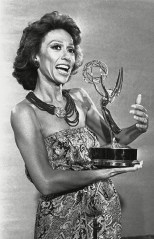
(36,64)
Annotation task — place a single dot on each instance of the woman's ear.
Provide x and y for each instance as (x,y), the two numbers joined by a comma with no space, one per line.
(35,61)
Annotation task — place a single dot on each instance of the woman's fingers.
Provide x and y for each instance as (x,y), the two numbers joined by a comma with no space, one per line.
(131,169)
(138,108)
(140,114)
(115,171)
(134,168)
(141,117)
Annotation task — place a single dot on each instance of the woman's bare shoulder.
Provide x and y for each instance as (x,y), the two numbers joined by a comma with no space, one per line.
(22,107)
(22,112)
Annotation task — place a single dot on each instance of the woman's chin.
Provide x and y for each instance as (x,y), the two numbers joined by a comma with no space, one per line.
(59,80)
(62,80)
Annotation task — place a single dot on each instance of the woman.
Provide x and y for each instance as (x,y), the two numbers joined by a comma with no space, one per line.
(53,130)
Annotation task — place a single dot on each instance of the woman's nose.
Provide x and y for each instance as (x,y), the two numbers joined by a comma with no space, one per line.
(66,55)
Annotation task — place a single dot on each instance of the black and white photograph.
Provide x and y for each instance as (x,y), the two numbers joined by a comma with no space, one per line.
(77,119)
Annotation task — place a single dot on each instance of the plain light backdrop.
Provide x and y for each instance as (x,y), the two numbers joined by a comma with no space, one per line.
(118,32)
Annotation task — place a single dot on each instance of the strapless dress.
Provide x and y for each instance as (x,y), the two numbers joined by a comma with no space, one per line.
(92,212)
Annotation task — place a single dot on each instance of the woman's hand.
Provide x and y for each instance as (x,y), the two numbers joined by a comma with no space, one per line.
(107,173)
(140,115)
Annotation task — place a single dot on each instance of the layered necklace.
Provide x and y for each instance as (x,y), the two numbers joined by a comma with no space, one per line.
(66,113)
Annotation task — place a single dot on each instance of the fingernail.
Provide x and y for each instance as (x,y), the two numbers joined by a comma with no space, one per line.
(134,106)
(131,111)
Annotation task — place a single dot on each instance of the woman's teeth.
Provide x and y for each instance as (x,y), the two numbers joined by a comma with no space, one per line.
(63,68)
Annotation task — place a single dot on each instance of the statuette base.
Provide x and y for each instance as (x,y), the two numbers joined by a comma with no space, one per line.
(113,157)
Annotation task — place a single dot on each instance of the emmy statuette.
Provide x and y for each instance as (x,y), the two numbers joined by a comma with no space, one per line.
(114,154)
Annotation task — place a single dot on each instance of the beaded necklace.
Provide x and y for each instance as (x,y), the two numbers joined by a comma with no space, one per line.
(67,112)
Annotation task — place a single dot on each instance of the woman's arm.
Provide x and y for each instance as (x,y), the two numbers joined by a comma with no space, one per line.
(95,121)
(31,145)
(32,148)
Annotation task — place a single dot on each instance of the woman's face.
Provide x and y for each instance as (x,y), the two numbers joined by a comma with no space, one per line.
(56,56)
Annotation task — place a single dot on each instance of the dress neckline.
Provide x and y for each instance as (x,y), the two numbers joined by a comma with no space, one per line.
(66,131)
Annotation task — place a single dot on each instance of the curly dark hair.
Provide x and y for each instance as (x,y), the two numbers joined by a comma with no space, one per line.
(25,69)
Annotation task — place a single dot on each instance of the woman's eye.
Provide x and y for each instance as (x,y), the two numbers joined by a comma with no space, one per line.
(71,50)
(56,47)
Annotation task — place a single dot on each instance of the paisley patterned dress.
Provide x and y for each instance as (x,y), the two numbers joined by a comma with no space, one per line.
(92,212)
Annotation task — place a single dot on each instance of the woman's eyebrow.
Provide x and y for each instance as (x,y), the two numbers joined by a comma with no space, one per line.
(59,41)
(71,44)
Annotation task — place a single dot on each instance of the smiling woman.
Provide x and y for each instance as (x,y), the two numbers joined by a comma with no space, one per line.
(54,129)
(26,64)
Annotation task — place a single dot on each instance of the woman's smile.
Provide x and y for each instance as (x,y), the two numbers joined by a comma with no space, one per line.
(63,69)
